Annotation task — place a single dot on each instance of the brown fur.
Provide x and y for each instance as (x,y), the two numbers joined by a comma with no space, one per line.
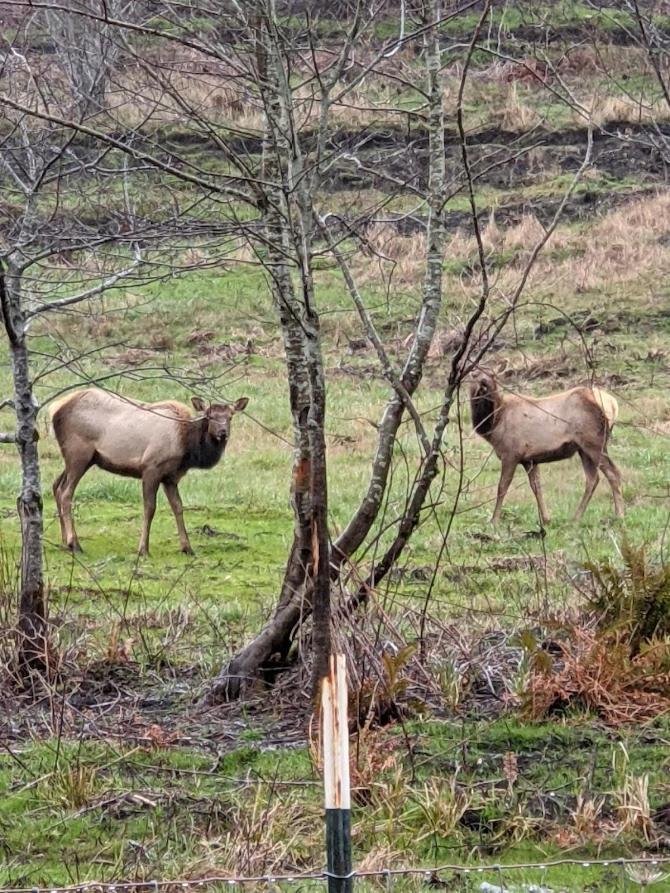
(529,431)
(155,442)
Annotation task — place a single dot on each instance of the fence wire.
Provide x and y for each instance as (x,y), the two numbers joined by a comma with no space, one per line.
(641,870)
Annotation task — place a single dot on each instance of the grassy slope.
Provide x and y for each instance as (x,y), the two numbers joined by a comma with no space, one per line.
(65,812)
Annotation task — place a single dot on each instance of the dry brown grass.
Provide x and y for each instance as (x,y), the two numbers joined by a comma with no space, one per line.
(262,834)
(586,814)
(516,114)
(628,109)
(136,101)
(392,254)
(632,801)
(623,246)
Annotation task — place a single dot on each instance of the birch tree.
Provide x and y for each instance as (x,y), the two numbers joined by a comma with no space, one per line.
(87,50)
(38,167)
(53,259)
(291,91)
(298,600)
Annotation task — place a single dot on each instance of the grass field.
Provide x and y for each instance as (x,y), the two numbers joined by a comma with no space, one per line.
(120,774)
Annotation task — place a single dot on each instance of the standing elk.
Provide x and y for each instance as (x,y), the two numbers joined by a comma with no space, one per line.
(156,442)
(529,431)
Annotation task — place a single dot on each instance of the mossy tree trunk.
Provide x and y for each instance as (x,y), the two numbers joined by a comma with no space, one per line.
(32,613)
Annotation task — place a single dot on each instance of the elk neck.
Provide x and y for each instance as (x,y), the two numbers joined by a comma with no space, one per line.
(203,451)
(485,409)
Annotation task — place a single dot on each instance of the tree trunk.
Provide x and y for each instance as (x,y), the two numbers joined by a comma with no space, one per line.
(299,324)
(303,353)
(361,523)
(86,49)
(32,620)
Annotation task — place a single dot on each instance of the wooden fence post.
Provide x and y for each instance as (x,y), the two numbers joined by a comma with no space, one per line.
(335,738)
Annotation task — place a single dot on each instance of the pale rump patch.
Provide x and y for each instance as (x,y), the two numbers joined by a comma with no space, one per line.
(530,431)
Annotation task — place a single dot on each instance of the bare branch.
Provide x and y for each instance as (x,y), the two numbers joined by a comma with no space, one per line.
(369,327)
(138,154)
(88,293)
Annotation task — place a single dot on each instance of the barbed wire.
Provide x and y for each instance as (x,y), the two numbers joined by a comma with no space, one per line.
(299,877)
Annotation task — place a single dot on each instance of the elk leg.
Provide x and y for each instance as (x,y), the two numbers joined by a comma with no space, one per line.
(613,476)
(535,485)
(56,491)
(149,490)
(71,478)
(506,475)
(172,493)
(591,474)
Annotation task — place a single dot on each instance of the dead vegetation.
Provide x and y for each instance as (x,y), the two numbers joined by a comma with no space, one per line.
(617,665)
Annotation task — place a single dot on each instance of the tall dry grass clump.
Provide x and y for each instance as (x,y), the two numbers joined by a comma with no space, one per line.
(516,114)
(400,257)
(625,243)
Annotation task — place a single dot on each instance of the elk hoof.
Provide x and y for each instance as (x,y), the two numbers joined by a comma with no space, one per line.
(74,547)
(142,553)
(187,550)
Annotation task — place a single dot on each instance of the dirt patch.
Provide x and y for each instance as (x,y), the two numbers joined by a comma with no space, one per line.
(505,565)
(133,357)
(552,366)
(403,154)
(156,710)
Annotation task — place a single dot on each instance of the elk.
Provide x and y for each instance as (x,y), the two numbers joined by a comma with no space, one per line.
(529,431)
(155,442)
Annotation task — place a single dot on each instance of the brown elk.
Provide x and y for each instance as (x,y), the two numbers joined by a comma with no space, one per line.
(529,431)
(156,442)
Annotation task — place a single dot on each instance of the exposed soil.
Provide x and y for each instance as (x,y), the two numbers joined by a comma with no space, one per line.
(393,160)
(119,702)
(499,158)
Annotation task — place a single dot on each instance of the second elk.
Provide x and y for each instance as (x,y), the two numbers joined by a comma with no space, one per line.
(529,431)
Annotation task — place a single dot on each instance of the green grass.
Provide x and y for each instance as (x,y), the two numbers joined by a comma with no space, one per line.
(188,615)
(160,628)
(561,14)
(100,810)
(245,499)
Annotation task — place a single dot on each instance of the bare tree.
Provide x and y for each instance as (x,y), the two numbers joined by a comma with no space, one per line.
(35,163)
(87,49)
(278,132)
(51,261)
(301,593)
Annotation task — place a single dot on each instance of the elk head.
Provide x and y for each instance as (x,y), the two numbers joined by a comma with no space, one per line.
(218,416)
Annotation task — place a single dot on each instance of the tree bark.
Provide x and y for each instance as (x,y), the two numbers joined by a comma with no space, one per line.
(32,618)
(86,49)
(365,516)
(307,589)
(289,233)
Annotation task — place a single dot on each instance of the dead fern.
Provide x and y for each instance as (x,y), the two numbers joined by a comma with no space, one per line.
(619,666)
(634,600)
(596,671)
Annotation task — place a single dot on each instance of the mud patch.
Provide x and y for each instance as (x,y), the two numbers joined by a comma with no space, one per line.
(506,565)
(153,711)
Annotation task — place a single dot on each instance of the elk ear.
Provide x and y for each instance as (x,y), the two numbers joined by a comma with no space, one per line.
(240,404)
(198,404)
